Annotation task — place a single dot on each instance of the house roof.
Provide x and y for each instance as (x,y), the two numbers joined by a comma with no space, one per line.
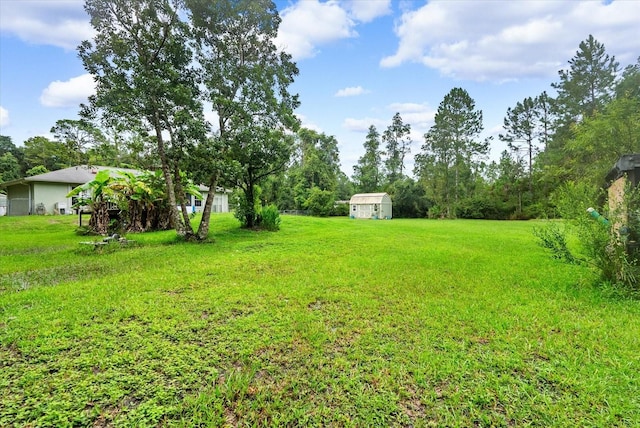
(73,175)
(369,198)
(82,174)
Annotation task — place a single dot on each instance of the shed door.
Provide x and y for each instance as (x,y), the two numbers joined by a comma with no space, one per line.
(365,211)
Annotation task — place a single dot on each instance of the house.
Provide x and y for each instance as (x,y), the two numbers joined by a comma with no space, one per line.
(220,200)
(3,204)
(370,205)
(47,193)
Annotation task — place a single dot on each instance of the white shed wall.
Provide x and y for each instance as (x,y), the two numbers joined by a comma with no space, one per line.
(372,206)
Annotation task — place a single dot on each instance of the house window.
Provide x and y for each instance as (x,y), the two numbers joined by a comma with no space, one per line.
(354,208)
(375,207)
(187,199)
(198,202)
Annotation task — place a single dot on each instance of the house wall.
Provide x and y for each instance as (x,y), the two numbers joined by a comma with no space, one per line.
(49,194)
(19,199)
(220,203)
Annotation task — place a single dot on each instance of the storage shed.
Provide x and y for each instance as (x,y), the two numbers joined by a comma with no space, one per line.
(370,205)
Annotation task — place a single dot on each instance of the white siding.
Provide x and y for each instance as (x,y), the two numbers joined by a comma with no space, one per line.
(370,205)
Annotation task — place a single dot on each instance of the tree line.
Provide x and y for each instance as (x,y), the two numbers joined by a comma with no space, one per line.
(148,113)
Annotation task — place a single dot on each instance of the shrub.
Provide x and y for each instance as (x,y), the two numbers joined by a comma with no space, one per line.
(271,218)
(340,209)
(320,202)
(607,243)
(554,239)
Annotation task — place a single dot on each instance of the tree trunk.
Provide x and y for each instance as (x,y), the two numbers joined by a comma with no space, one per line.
(174,215)
(203,228)
(135,217)
(99,221)
(188,230)
(250,215)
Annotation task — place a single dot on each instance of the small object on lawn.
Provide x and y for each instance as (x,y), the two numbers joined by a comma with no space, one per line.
(106,241)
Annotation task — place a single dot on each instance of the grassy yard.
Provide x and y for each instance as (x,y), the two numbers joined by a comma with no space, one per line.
(329,322)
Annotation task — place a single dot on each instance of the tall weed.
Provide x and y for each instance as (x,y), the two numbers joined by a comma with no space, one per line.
(608,242)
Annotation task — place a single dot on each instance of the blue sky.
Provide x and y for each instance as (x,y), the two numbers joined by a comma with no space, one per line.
(360,61)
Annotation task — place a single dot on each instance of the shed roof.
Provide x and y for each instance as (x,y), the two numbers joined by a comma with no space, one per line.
(369,198)
(625,164)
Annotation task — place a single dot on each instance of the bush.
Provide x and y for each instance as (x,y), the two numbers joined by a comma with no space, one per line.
(320,202)
(608,243)
(271,218)
(340,210)
(554,239)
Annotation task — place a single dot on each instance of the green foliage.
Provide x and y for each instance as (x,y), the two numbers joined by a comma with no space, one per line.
(340,210)
(320,202)
(409,199)
(36,170)
(587,86)
(554,238)
(397,141)
(52,155)
(246,211)
(9,167)
(607,245)
(367,173)
(450,161)
(270,218)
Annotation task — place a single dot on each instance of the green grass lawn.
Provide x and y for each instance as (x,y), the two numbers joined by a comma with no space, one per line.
(329,322)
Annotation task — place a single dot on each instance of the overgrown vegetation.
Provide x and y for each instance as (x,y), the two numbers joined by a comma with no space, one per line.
(606,239)
(330,322)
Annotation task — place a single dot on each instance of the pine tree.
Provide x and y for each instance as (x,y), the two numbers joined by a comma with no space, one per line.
(367,174)
(451,154)
(398,145)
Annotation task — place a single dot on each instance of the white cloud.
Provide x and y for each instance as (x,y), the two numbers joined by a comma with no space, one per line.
(69,93)
(58,23)
(367,11)
(308,24)
(4,117)
(306,123)
(498,41)
(419,116)
(351,91)
(362,125)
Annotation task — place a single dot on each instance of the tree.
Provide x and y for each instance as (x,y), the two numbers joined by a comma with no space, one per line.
(588,85)
(507,183)
(450,160)
(409,199)
(398,145)
(9,167)
(367,173)
(40,151)
(629,85)
(319,159)
(7,146)
(142,65)
(78,136)
(599,141)
(96,194)
(527,127)
(246,81)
